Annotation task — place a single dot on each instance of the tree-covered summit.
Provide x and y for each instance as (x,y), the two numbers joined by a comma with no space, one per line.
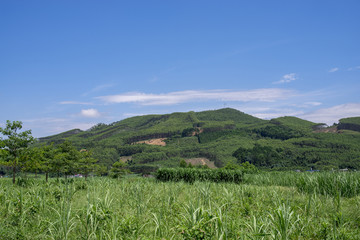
(221,136)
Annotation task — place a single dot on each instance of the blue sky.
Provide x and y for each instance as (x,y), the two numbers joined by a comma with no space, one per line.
(72,64)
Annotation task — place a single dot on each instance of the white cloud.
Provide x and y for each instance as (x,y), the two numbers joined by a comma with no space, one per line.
(274,111)
(313,103)
(276,114)
(353,68)
(334,70)
(42,127)
(92,113)
(75,103)
(333,114)
(262,95)
(287,78)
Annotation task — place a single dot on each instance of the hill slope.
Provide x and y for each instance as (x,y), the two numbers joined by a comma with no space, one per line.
(350,124)
(221,136)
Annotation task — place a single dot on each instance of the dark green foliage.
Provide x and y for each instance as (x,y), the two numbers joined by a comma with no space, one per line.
(209,136)
(279,132)
(182,163)
(148,157)
(188,132)
(119,169)
(350,124)
(259,155)
(191,175)
(128,150)
(86,163)
(105,155)
(143,169)
(65,159)
(138,138)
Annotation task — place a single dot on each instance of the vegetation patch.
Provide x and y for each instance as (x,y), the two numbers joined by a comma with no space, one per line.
(154,141)
(200,162)
(191,175)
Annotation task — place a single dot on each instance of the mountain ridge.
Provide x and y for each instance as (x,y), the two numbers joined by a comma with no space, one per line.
(222,136)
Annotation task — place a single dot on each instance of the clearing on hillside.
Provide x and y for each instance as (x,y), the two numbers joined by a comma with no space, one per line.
(154,141)
(200,161)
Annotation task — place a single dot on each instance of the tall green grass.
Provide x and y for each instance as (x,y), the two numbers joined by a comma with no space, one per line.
(333,184)
(142,208)
(345,184)
(191,175)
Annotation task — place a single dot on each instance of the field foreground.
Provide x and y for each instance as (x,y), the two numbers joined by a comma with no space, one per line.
(265,206)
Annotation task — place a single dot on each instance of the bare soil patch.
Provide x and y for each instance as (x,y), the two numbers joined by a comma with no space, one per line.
(200,161)
(328,130)
(124,159)
(154,141)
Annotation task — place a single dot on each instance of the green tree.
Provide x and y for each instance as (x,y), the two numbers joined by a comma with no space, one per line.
(231,165)
(66,159)
(31,161)
(261,156)
(87,163)
(45,155)
(15,145)
(182,163)
(119,169)
(101,170)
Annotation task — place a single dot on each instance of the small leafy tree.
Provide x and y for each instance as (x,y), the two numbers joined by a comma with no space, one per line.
(231,165)
(101,170)
(66,159)
(182,163)
(119,169)
(87,163)
(31,161)
(15,145)
(45,155)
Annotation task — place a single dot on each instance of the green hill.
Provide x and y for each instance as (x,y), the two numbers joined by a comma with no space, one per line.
(221,136)
(294,122)
(352,123)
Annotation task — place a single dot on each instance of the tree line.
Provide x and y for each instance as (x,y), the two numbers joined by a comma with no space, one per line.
(64,159)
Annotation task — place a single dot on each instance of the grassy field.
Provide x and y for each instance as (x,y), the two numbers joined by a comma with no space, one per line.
(276,205)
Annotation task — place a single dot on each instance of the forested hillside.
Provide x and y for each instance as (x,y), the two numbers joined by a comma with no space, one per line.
(222,136)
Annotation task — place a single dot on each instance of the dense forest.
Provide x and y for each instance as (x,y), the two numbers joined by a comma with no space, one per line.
(226,137)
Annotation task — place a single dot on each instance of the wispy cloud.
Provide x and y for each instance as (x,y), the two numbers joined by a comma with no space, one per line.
(260,95)
(91,113)
(313,103)
(276,114)
(333,114)
(75,103)
(287,78)
(98,89)
(335,69)
(353,68)
(42,127)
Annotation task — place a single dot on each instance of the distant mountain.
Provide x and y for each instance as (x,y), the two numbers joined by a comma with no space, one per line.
(221,136)
(153,126)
